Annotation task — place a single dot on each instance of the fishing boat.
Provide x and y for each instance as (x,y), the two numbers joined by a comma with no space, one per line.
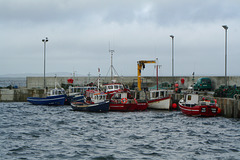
(191,105)
(77,93)
(49,100)
(159,99)
(122,101)
(98,103)
(56,96)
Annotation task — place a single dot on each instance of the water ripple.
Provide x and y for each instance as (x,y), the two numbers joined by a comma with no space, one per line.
(43,132)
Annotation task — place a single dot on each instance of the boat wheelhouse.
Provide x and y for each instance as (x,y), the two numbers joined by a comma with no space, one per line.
(113,87)
(80,90)
(98,103)
(159,99)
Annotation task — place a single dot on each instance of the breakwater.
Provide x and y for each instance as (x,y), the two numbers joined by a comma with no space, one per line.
(229,107)
(131,81)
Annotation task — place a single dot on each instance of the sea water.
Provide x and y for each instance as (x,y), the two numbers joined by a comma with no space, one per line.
(49,132)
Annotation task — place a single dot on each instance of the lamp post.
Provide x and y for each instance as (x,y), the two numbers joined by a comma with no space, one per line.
(226,28)
(172,54)
(44,41)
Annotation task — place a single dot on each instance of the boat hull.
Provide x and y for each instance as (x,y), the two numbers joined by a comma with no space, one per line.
(74,98)
(50,100)
(206,110)
(96,107)
(161,103)
(128,107)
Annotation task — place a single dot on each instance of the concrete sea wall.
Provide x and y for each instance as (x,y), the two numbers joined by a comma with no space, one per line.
(217,81)
(19,95)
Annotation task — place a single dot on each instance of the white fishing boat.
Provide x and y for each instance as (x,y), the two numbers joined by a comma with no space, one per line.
(159,99)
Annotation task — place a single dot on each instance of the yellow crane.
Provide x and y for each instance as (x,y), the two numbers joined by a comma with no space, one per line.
(141,65)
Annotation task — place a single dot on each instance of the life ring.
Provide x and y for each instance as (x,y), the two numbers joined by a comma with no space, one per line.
(124,100)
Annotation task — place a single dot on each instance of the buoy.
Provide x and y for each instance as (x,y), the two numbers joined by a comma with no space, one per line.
(182,80)
(174,105)
(219,110)
(215,101)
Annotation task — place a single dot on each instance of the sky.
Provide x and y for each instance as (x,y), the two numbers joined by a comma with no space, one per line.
(81,32)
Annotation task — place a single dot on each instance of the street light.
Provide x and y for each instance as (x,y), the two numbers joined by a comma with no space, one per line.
(45,41)
(172,54)
(226,28)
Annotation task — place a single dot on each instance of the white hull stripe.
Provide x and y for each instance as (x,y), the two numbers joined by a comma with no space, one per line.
(189,109)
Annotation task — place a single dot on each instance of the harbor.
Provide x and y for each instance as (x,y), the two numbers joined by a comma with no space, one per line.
(119,80)
(230,107)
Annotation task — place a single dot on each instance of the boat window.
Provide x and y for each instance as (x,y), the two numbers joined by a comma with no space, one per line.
(115,87)
(151,94)
(157,94)
(162,93)
(118,96)
(110,87)
(189,97)
(121,87)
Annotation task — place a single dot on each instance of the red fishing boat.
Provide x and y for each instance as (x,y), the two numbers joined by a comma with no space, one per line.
(122,101)
(191,105)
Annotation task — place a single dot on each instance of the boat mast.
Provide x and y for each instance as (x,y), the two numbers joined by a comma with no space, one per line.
(157,66)
(98,78)
(112,69)
(111,52)
(157,72)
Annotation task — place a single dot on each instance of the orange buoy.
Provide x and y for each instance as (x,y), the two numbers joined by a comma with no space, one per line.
(174,105)
(219,110)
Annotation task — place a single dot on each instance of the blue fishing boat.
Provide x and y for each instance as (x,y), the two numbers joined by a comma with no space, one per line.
(98,103)
(56,96)
(49,100)
(94,107)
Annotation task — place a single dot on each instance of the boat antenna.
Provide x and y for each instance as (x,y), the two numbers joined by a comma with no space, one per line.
(112,69)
